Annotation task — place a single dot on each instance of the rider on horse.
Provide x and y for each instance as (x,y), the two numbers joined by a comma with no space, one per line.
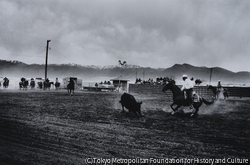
(57,84)
(32,83)
(188,86)
(219,86)
(23,79)
(5,79)
(6,82)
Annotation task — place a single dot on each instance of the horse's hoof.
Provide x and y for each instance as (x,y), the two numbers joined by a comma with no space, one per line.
(172,113)
(192,115)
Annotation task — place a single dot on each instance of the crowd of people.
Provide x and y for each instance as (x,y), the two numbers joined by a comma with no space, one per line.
(159,80)
(103,83)
(139,81)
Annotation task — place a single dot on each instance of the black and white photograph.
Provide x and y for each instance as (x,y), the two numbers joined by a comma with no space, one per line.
(129,82)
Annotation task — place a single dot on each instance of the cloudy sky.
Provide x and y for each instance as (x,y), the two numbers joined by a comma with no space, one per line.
(148,33)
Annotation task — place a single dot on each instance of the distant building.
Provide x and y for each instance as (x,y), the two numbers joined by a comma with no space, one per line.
(120,85)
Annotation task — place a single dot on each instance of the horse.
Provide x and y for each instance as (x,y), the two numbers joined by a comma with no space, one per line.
(57,85)
(6,83)
(179,99)
(40,85)
(47,85)
(216,92)
(32,84)
(225,93)
(24,84)
(71,86)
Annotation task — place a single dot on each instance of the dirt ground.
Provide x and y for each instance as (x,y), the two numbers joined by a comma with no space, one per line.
(50,127)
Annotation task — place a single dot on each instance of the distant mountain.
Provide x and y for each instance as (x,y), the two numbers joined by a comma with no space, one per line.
(203,73)
(130,72)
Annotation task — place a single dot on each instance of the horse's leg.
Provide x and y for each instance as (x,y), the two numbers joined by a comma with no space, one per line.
(225,96)
(174,109)
(123,108)
(196,109)
(172,106)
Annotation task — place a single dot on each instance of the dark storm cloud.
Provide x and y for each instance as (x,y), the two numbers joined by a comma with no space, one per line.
(144,32)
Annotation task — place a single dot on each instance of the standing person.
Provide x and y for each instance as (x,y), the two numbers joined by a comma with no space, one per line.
(219,89)
(219,86)
(188,86)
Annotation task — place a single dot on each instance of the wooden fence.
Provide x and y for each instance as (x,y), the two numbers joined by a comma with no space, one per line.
(238,91)
(201,90)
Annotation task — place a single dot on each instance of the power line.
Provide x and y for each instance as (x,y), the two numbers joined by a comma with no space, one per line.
(60,54)
(40,52)
(35,54)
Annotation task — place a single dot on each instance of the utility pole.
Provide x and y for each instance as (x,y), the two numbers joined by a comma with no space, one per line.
(211,71)
(143,74)
(136,73)
(46,62)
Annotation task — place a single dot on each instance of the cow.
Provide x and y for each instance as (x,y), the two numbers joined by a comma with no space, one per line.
(131,104)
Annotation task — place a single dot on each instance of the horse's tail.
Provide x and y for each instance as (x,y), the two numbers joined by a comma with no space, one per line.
(207,102)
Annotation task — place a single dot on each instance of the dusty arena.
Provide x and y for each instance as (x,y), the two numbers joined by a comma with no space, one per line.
(50,127)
